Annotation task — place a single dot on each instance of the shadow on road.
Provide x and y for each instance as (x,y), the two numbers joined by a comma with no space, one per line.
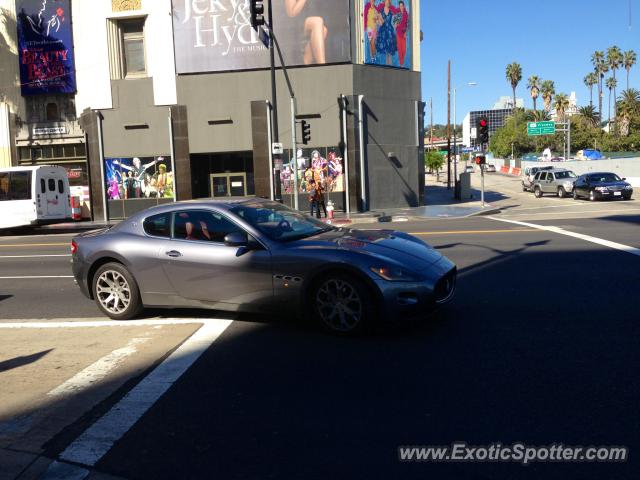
(21,361)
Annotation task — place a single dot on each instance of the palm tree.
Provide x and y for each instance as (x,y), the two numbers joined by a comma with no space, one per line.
(590,80)
(614,58)
(514,75)
(534,87)
(590,114)
(611,85)
(628,106)
(548,90)
(540,116)
(600,67)
(561,104)
(629,60)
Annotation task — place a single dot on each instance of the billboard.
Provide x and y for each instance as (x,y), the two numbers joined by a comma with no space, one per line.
(139,177)
(323,165)
(45,47)
(216,35)
(387,32)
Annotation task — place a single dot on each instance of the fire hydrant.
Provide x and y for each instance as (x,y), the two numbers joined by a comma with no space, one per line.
(330,209)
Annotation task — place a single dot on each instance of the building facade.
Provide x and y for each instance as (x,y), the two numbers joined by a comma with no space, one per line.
(175,100)
(497,119)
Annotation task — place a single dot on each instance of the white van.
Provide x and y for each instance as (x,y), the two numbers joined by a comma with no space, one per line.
(34,195)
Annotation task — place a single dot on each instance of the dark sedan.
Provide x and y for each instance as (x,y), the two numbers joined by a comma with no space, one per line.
(600,186)
(255,255)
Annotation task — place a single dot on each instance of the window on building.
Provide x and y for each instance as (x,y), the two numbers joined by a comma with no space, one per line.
(53,114)
(127,57)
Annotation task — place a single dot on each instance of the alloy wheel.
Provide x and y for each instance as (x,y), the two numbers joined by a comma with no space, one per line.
(113,292)
(339,305)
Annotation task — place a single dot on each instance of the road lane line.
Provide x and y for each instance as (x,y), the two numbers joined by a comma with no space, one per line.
(472,232)
(31,277)
(586,238)
(97,370)
(107,323)
(98,439)
(35,256)
(24,245)
(583,212)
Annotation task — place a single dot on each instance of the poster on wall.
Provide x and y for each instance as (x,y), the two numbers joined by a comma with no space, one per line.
(45,47)
(322,165)
(387,33)
(138,177)
(216,35)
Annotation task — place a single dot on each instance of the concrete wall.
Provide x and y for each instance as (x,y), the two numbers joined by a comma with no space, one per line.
(11,102)
(223,96)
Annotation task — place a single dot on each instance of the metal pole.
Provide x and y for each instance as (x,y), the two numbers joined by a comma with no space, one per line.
(269,141)
(449,125)
(173,156)
(568,138)
(274,100)
(455,142)
(363,184)
(482,187)
(346,155)
(102,179)
(294,153)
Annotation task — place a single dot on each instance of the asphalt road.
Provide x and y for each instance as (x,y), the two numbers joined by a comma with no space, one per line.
(539,346)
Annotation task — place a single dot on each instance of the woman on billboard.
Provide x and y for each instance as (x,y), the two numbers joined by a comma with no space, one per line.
(314,28)
(401,22)
(386,41)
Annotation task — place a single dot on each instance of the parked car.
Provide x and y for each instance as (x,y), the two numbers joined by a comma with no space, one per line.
(557,181)
(256,255)
(600,186)
(469,169)
(490,167)
(528,173)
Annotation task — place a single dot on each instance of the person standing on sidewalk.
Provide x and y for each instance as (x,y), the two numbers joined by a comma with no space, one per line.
(320,196)
(313,198)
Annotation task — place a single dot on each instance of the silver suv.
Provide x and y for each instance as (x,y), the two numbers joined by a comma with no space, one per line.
(528,174)
(558,181)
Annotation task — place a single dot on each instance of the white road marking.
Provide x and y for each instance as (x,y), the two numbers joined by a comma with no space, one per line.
(568,212)
(97,370)
(32,277)
(34,256)
(106,323)
(98,439)
(586,238)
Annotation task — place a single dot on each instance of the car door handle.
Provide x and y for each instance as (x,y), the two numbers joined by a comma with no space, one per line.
(173,253)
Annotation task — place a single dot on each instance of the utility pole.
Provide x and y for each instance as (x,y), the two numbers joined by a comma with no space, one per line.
(274,102)
(431,127)
(449,125)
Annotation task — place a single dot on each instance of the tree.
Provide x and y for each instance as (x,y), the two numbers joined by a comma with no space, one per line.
(514,75)
(548,90)
(628,110)
(589,114)
(540,116)
(561,104)
(533,84)
(600,67)
(614,59)
(629,60)
(611,85)
(434,161)
(590,80)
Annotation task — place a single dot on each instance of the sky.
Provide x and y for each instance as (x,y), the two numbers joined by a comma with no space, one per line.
(553,39)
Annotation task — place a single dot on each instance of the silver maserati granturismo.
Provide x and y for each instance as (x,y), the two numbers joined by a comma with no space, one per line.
(254,255)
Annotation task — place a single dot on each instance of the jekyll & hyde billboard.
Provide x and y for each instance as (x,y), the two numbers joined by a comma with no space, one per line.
(216,35)
(45,47)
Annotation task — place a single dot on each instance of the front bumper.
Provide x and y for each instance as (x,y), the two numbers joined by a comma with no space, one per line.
(404,301)
(613,194)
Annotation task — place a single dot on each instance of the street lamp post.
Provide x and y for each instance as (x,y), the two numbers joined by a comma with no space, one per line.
(455,140)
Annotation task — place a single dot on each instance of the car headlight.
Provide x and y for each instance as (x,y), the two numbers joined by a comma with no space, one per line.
(602,189)
(394,274)
(628,187)
(568,184)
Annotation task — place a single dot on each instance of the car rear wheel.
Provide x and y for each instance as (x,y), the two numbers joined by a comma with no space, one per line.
(561,192)
(575,194)
(592,195)
(340,304)
(537,192)
(116,292)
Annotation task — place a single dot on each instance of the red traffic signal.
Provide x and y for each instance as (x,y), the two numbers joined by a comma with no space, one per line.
(483,122)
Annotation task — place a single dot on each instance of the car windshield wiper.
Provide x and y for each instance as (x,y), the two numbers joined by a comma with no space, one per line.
(306,235)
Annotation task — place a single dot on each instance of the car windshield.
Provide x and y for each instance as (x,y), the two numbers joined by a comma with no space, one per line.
(279,222)
(604,178)
(568,174)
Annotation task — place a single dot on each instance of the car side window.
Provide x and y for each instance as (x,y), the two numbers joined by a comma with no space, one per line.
(158,225)
(550,177)
(204,226)
(542,176)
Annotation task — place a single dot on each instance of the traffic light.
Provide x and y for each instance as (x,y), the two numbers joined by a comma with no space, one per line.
(482,129)
(257,13)
(480,160)
(306,132)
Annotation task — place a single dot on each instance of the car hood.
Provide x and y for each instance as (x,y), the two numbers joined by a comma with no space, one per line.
(385,244)
(610,184)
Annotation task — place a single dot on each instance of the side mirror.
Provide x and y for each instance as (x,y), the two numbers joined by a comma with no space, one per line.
(624,178)
(236,239)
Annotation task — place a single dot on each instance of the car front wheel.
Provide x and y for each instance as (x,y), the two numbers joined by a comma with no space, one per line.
(561,192)
(592,195)
(537,192)
(575,194)
(116,292)
(341,304)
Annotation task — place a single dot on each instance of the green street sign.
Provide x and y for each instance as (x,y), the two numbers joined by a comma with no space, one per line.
(541,128)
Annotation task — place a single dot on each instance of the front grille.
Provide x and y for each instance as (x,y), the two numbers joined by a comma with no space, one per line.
(446,287)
